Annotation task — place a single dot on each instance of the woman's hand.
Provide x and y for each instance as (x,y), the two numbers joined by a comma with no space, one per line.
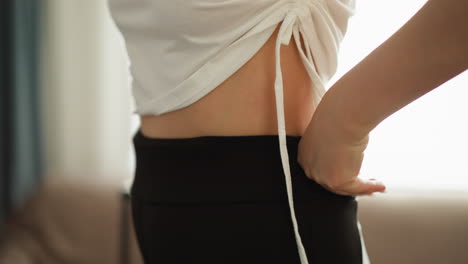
(334,161)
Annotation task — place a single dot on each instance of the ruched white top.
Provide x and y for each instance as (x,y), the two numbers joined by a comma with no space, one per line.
(181,50)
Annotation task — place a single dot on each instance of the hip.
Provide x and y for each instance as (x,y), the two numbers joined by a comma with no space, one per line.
(202,199)
(222,169)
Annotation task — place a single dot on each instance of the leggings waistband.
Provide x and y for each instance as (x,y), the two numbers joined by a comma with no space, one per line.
(219,169)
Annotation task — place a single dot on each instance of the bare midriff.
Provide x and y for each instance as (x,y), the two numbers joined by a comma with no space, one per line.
(244,104)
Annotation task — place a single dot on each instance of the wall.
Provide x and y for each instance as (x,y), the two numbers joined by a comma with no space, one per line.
(86,95)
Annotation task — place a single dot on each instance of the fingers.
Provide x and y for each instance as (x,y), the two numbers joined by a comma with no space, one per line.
(357,187)
(365,187)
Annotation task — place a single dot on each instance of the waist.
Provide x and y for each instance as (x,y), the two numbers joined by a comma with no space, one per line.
(244,104)
(220,169)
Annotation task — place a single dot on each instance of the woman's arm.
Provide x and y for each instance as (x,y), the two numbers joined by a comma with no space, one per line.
(431,48)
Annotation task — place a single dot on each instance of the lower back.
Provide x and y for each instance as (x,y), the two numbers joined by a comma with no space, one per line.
(244,104)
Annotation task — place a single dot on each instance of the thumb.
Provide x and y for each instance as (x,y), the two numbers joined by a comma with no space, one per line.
(373,185)
(364,186)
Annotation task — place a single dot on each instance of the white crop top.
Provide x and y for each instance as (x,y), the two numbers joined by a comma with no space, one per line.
(180,50)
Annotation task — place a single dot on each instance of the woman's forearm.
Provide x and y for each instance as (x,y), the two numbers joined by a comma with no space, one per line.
(428,50)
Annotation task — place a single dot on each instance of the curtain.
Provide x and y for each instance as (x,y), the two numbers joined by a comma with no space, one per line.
(20,133)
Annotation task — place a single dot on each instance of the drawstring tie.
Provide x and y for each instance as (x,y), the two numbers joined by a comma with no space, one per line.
(291,26)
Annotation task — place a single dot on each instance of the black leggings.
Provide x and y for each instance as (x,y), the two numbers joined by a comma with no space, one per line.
(223,200)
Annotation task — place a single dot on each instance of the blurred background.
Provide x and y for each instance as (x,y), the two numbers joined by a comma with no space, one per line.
(66,156)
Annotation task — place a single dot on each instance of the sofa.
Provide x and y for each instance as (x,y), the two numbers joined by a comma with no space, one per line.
(88,222)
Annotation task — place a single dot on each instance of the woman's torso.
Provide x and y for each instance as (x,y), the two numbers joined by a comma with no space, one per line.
(244,104)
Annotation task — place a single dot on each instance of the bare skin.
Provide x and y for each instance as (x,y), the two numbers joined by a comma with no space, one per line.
(244,104)
(426,52)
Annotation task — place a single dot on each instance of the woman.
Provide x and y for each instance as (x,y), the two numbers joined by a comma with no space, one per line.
(208,77)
